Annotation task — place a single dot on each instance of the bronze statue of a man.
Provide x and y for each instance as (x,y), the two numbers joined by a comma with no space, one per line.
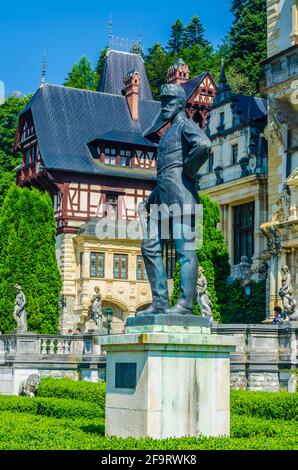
(182,151)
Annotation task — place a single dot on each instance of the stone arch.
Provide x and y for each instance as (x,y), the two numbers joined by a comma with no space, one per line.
(120,312)
(143,306)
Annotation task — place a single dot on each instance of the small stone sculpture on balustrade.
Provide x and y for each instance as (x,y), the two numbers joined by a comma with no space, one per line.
(203,296)
(95,308)
(286,295)
(19,313)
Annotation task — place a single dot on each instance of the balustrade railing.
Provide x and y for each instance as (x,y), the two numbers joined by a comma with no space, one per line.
(46,345)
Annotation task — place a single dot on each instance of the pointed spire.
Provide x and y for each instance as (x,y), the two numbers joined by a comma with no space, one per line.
(223,83)
(224,92)
(110,31)
(43,70)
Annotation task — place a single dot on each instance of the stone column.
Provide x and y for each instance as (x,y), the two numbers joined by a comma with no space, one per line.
(229,233)
(273,276)
(68,275)
(260,217)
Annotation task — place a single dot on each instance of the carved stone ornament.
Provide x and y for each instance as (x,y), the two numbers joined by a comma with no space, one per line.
(283,206)
(274,238)
(281,116)
(219,175)
(29,386)
(244,165)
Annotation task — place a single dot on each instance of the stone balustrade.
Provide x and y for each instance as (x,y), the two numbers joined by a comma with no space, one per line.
(265,359)
(21,355)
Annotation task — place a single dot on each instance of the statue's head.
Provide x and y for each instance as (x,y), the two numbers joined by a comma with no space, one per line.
(285,269)
(17,287)
(201,270)
(173,100)
(97,289)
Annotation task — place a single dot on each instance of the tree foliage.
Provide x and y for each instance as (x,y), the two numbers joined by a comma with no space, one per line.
(82,75)
(9,115)
(176,41)
(194,34)
(241,309)
(247,40)
(99,66)
(157,62)
(28,258)
(9,159)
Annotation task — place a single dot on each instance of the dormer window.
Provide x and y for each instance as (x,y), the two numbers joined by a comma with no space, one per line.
(222,119)
(110,156)
(234,154)
(125,157)
(27,156)
(211,162)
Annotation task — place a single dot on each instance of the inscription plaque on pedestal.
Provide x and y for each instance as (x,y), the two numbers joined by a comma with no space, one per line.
(125,375)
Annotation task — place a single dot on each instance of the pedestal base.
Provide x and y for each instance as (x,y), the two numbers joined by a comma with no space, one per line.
(165,384)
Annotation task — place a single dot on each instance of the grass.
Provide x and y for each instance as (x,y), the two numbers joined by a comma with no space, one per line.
(75,421)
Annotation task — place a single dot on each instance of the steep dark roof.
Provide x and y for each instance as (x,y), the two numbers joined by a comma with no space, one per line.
(67,120)
(191,85)
(248,108)
(116,66)
(252,107)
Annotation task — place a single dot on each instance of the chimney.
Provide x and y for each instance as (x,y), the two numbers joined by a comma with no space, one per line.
(178,73)
(131,91)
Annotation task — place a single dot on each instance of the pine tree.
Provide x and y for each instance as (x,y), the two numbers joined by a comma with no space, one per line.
(247,40)
(28,258)
(9,116)
(99,66)
(157,63)
(81,75)
(202,58)
(213,257)
(176,42)
(194,34)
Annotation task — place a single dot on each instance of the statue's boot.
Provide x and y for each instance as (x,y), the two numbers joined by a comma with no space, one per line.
(152,254)
(152,310)
(178,310)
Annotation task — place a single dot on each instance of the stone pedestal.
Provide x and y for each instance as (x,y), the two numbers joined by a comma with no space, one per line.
(168,377)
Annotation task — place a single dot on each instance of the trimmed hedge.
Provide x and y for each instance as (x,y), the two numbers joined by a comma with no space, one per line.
(280,405)
(248,427)
(20,431)
(56,407)
(78,390)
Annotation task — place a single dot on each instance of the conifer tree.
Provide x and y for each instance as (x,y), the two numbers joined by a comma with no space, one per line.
(9,116)
(81,75)
(99,66)
(28,258)
(157,63)
(176,42)
(194,34)
(247,40)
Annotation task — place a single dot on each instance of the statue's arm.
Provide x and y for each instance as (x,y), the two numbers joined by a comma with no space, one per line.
(199,148)
(151,199)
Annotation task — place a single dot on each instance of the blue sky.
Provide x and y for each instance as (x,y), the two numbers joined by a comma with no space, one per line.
(69,29)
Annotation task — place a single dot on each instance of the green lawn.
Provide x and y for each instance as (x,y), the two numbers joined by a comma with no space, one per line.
(67,423)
